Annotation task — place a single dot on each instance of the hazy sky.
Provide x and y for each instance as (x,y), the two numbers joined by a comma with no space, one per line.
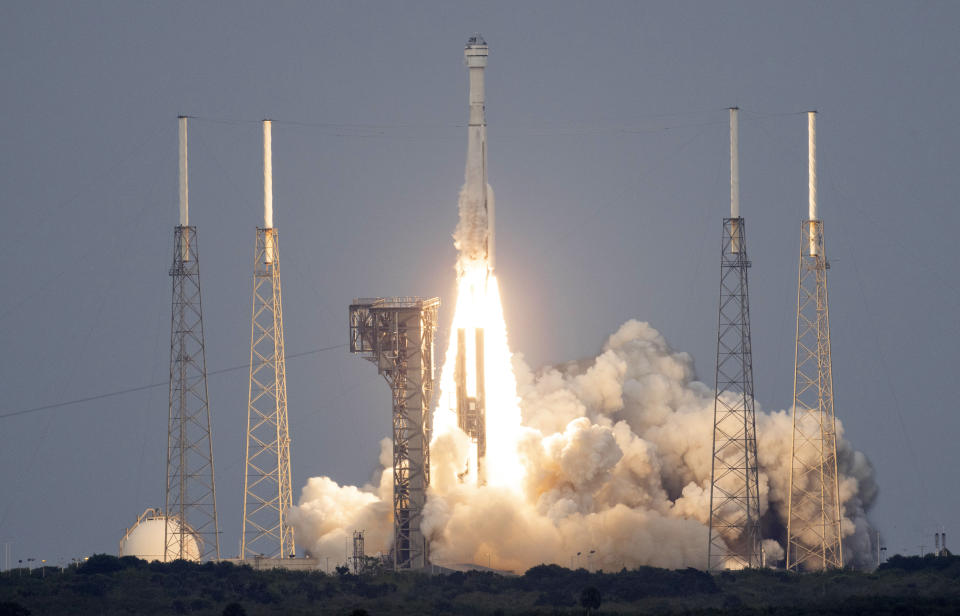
(609,156)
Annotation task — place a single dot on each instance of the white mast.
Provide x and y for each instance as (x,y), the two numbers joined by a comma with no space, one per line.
(734,164)
(267,176)
(734,182)
(184,189)
(812,178)
(268,192)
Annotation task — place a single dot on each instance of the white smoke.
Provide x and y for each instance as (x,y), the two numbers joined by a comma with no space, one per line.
(328,513)
(470,236)
(616,453)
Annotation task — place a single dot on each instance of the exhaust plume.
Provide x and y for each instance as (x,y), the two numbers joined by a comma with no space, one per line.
(615,454)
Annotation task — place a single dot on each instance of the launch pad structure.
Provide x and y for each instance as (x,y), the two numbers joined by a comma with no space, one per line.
(190,496)
(814,538)
(267,489)
(734,540)
(397,335)
(359,552)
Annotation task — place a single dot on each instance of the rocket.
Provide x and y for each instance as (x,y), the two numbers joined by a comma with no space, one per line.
(475,54)
(476,207)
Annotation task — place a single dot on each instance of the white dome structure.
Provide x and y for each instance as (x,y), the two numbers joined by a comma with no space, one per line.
(145,539)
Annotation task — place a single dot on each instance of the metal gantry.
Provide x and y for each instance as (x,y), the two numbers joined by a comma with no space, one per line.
(359,554)
(397,335)
(190,503)
(267,490)
(735,540)
(813,526)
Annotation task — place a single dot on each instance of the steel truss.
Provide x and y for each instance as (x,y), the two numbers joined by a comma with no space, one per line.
(397,335)
(190,493)
(813,527)
(267,491)
(359,555)
(735,540)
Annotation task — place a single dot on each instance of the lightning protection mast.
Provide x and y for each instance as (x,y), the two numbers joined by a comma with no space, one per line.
(191,531)
(813,519)
(267,492)
(734,540)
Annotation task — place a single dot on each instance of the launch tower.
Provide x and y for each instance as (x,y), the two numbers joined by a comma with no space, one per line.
(359,554)
(734,541)
(190,494)
(813,521)
(397,335)
(267,492)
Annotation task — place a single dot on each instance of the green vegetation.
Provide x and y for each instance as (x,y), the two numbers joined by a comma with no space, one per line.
(112,586)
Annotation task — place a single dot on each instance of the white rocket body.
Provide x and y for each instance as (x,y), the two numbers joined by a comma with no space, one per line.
(475,53)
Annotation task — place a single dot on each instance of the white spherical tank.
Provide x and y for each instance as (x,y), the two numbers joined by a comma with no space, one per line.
(145,539)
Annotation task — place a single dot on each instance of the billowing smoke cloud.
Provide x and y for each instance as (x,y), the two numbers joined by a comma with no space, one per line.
(328,513)
(470,236)
(616,456)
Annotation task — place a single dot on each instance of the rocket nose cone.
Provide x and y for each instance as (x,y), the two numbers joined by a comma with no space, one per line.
(476,41)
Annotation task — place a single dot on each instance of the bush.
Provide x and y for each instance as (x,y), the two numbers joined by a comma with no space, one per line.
(590,598)
(556,598)
(234,609)
(12,608)
(100,563)
(132,562)
(544,572)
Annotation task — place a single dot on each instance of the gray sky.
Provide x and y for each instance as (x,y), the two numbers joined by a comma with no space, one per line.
(608,153)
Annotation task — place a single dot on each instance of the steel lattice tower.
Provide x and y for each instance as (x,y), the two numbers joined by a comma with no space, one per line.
(267,486)
(190,504)
(813,527)
(359,554)
(268,495)
(397,335)
(734,540)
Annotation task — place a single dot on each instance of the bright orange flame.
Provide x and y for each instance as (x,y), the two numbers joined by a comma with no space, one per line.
(478,306)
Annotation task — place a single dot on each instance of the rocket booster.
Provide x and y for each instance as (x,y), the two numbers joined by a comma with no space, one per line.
(475,54)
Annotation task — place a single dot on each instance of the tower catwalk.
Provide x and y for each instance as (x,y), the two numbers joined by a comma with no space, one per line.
(190,504)
(813,521)
(734,540)
(267,492)
(397,335)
